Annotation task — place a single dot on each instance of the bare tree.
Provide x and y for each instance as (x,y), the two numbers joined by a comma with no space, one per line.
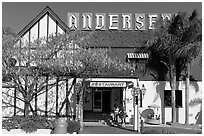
(31,67)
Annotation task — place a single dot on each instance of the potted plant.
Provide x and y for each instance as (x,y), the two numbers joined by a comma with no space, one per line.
(73,126)
(153,118)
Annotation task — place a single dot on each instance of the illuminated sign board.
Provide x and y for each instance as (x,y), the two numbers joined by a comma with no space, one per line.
(113,21)
(107,84)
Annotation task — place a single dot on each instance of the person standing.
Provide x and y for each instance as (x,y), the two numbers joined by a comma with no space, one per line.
(116,111)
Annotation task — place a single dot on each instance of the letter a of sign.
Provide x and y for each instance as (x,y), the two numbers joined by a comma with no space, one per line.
(73,21)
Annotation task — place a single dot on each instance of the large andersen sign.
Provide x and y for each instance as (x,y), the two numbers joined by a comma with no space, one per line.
(113,21)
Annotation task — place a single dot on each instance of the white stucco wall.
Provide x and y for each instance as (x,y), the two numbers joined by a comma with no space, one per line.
(154,95)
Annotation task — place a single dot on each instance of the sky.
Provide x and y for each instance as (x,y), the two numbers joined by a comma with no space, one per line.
(17,15)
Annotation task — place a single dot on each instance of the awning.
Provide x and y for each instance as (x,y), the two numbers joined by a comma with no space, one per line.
(137,55)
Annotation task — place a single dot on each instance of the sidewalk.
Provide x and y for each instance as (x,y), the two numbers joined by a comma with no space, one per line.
(97,128)
(106,129)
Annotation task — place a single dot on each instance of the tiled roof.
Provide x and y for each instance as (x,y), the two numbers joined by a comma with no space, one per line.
(120,39)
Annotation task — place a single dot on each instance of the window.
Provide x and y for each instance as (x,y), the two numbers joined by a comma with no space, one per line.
(167,98)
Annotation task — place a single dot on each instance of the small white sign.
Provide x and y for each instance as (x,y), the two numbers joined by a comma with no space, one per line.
(107,84)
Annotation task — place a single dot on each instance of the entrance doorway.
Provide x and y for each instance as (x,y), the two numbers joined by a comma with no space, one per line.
(97,101)
(102,100)
(106,97)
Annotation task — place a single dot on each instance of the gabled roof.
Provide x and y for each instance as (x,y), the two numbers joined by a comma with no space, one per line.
(46,10)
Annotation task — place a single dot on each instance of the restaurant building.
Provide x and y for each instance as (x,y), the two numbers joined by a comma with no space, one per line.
(105,92)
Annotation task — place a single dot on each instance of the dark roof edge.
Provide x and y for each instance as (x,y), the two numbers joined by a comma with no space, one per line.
(132,47)
(41,14)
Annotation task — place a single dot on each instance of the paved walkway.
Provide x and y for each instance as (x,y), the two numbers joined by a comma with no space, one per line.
(97,128)
(106,130)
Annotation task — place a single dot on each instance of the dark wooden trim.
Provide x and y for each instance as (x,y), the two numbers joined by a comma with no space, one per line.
(48,24)
(57,27)
(57,95)
(116,77)
(20,52)
(38,29)
(67,89)
(36,99)
(15,101)
(92,91)
(29,33)
(46,97)
(29,46)
(108,47)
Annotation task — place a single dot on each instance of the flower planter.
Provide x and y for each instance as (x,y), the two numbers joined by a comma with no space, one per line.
(19,131)
(152,121)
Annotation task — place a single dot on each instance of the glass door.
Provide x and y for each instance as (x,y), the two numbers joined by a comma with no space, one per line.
(97,103)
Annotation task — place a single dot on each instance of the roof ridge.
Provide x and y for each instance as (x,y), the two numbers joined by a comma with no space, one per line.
(39,16)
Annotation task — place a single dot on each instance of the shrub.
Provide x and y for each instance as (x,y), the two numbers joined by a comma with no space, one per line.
(151,131)
(159,131)
(9,124)
(28,124)
(168,131)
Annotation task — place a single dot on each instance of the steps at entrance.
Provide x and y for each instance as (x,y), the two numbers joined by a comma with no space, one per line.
(102,123)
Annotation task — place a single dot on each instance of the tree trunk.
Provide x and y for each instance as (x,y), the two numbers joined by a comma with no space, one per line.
(74,99)
(173,88)
(187,94)
(81,108)
(26,108)
(26,103)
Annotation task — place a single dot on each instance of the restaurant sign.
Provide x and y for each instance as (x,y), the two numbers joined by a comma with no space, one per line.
(107,84)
